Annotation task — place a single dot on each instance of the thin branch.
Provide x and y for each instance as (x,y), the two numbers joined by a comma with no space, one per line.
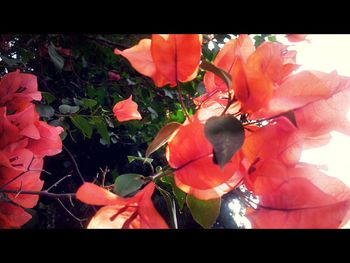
(42,193)
(18,176)
(55,184)
(69,212)
(75,163)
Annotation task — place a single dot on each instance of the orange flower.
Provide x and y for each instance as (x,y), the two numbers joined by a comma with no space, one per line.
(166,58)
(126,110)
(134,212)
(296,37)
(304,198)
(191,154)
(255,73)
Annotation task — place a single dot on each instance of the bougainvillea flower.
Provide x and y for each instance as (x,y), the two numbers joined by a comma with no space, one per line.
(301,89)
(297,37)
(12,216)
(9,132)
(254,72)
(49,142)
(230,58)
(196,173)
(134,212)
(17,90)
(166,58)
(307,198)
(126,110)
(23,171)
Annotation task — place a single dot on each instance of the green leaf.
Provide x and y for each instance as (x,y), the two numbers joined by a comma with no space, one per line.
(137,158)
(45,111)
(126,184)
(114,174)
(204,212)
(82,124)
(178,193)
(163,136)
(170,205)
(64,108)
(217,71)
(272,38)
(90,103)
(226,134)
(103,131)
(56,58)
(49,98)
(78,102)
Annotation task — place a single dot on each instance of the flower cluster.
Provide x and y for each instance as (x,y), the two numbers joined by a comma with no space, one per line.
(280,112)
(24,142)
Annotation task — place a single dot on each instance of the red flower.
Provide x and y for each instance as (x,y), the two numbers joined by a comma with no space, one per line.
(17,90)
(12,216)
(24,141)
(134,212)
(166,58)
(126,110)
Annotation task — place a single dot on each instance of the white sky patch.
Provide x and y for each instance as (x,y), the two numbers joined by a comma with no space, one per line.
(237,212)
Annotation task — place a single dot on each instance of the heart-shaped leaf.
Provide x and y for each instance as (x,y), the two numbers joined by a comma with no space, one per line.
(204,212)
(226,134)
(126,184)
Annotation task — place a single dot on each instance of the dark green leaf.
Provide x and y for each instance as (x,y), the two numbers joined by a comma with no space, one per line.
(45,111)
(217,71)
(49,98)
(136,158)
(90,103)
(82,124)
(56,58)
(126,184)
(204,212)
(103,131)
(163,136)
(226,134)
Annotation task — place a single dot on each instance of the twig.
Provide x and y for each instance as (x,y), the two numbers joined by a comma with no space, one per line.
(55,184)
(43,193)
(18,176)
(75,163)
(69,212)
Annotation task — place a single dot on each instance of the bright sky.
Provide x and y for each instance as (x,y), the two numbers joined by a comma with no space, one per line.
(327,53)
